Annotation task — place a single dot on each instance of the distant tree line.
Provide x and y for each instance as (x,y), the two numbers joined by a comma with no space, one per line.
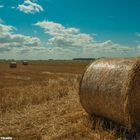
(84,59)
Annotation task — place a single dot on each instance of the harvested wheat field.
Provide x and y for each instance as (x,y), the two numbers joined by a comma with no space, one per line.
(40,101)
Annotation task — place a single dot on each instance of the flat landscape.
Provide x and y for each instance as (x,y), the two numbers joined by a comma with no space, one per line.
(40,101)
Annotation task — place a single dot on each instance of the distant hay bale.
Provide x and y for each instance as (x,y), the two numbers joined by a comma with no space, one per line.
(110,88)
(25,62)
(13,65)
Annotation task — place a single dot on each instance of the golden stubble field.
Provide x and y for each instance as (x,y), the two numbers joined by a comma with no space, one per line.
(41,102)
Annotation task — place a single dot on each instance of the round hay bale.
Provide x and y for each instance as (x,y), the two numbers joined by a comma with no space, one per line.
(13,65)
(25,62)
(110,88)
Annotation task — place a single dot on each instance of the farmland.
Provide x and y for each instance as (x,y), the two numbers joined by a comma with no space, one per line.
(40,101)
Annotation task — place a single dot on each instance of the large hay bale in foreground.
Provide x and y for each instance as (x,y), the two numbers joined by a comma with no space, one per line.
(13,65)
(110,88)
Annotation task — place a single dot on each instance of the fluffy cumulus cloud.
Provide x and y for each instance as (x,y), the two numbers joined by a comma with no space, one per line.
(85,45)
(108,48)
(30,7)
(61,43)
(9,40)
(63,36)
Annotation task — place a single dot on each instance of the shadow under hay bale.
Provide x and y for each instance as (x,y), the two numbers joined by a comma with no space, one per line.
(110,88)
(13,65)
(107,125)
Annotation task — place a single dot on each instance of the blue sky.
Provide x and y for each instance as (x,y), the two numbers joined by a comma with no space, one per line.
(64,29)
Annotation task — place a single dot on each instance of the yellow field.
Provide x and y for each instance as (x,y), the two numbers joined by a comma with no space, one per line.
(41,102)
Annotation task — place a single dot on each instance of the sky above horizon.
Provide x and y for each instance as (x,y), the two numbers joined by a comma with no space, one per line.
(66,29)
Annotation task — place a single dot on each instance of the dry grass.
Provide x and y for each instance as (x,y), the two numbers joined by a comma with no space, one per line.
(37,104)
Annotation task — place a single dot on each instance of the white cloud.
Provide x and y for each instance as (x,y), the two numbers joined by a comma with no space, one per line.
(64,37)
(30,7)
(4,29)
(80,44)
(108,48)
(55,29)
(10,40)
(1,6)
(62,43)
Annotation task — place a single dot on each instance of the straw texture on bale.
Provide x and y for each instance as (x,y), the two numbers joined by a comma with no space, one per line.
(13,65)
(110,88)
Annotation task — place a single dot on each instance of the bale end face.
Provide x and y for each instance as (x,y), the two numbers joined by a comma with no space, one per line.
(110,88)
